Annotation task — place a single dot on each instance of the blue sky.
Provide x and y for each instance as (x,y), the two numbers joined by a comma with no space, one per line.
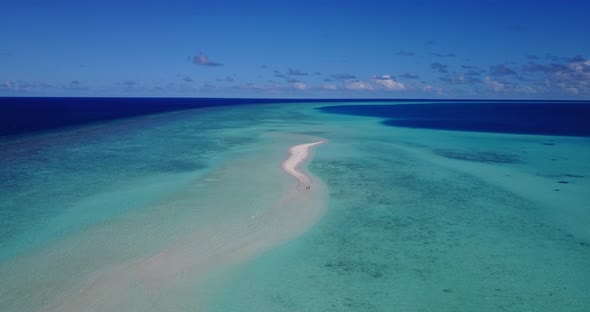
(321,49)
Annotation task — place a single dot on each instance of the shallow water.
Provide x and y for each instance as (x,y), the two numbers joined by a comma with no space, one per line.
(417,220)
(425,220)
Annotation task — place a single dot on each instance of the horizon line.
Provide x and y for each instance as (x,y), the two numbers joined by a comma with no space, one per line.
(270,99)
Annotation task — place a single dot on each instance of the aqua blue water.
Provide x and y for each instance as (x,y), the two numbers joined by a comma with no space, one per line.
(417,219)
(49,175)
(423,220)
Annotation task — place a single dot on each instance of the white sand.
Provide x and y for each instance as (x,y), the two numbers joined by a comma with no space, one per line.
(156,283)
(298,154)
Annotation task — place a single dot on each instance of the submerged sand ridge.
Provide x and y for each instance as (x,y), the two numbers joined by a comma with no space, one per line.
(160,281)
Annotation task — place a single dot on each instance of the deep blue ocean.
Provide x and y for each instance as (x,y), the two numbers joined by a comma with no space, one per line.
(568,118)
(27,114)
(21,114)
(564,118)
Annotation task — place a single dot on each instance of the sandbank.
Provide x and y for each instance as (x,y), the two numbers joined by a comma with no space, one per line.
(197,256)
(298,154)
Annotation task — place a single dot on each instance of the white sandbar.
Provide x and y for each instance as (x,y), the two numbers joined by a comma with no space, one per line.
(187,267)
(298,154)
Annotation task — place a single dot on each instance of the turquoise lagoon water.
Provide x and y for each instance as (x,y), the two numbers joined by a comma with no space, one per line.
(416,219)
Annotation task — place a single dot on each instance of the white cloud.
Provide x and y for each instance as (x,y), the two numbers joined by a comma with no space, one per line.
(18,85)
(494,84)
(571,77)
(329,86)
(358,86)
(202,59)
(527,89)
(569,89)
(382,82)
(7,85)
(387,82)
(430,88)
(580,67)
(499,86)
(299,86)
